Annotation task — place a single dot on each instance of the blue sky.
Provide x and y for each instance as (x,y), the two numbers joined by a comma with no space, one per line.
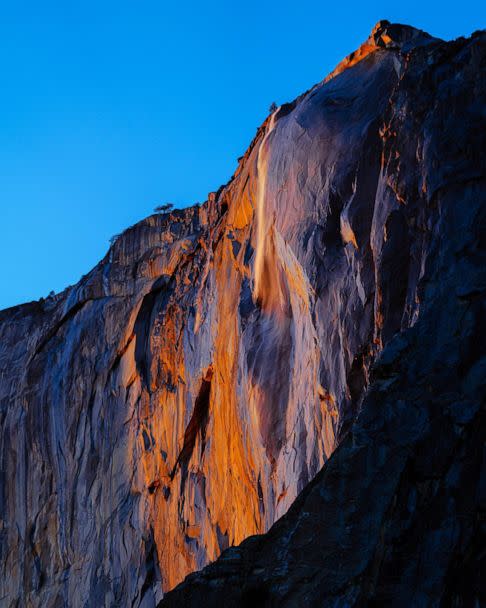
(110,108)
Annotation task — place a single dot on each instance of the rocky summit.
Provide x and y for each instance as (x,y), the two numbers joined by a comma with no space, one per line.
(288,380)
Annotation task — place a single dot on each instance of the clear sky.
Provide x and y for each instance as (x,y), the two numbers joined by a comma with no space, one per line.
(109,108)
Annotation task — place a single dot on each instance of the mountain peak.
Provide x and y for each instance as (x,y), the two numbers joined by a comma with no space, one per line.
(395,35)
(384,35)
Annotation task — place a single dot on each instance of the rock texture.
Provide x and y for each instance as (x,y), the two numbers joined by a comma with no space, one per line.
(183,394)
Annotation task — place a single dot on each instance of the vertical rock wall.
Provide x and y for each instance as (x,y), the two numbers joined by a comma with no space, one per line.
(180,396)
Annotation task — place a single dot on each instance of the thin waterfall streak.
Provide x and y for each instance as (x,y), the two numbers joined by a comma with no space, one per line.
(262,230)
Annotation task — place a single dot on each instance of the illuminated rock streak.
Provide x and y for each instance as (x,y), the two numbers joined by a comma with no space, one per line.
(267,281)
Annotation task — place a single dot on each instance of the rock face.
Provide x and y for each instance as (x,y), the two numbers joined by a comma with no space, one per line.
(328,301)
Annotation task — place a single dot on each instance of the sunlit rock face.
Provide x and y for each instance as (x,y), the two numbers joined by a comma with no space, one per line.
(181,395)
(383,219)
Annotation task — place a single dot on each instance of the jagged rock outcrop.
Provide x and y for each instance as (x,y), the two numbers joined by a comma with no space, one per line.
(180,397)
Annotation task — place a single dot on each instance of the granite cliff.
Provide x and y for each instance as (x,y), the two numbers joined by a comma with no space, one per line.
(307,346)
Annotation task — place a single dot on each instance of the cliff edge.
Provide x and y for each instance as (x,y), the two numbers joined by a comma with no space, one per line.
(307,346)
